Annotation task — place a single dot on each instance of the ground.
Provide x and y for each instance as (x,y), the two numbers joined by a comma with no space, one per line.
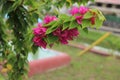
(86,67)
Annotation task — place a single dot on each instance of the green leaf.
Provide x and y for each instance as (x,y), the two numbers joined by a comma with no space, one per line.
(50,24)
(101,16)
(86,23)
(51,29)
(73,24)
(63,16)
(34,48)
(15,5)
(88,15)
(70,18)
(94,10)
(51,39)
(66,18)
(68,4)
(65,25)
(98,23)
(35,17)
(21,62)
(54,26)
(79,27)
(85,30)
(6,7)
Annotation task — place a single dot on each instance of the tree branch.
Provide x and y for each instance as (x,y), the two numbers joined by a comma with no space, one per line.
(22,2)
(32,10)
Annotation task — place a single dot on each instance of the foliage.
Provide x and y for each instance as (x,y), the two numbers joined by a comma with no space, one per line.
(65,27)
(18,17)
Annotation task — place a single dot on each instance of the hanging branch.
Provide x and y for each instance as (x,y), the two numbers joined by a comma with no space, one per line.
(25,38)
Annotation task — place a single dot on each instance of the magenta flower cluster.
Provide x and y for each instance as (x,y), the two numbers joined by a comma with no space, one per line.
(66,34)
(39,34)
(63,35)
(81,10)
(79,13)
(48,19)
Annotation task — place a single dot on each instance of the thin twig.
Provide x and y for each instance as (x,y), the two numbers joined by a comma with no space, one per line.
(33,10)
(22,2)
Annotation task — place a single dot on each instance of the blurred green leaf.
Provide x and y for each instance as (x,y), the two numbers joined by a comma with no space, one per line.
(87,15)
(51,39)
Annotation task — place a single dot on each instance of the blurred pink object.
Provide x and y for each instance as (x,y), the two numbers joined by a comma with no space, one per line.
(48,19)
(65,35)
(74,10)
(83,10)
(46,64)
(79,19)
(39,42)
(40,31)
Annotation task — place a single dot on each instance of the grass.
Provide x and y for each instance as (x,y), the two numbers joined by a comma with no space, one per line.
(112,41)
(86,67)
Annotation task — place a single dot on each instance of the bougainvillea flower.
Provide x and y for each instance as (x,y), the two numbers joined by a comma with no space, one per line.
(39,42)
(48,19)
(39,25)
(57,32)
(39,34)
(74,10)
(39,31)
(63,35)
(92,20)
(79,19)
(63,40)
(66,34)
(83,10)
(73,32)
